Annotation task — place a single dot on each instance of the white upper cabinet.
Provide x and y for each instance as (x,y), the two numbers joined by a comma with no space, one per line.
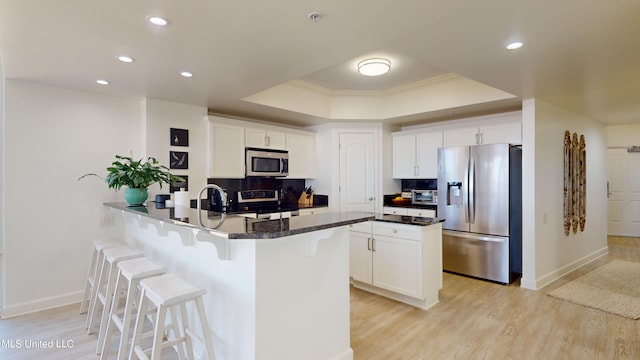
(497,133)
(460,137)
(415,155)
(506,133)
(266,139)
(226,150)
(404,156)
(228,139)
(302,155)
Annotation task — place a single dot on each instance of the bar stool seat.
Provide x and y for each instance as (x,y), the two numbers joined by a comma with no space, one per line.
(130,272)
(105,285)
(168,292)
(96,259)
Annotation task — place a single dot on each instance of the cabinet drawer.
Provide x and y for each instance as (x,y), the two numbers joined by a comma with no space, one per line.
(421,212)
(361,227)
(312,211)
(394,210)
(409,232)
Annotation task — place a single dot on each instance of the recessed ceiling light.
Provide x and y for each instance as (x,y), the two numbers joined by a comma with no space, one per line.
(514,45)
(186,74)
(126,59)
(155,20)
(102,82)
(374,66)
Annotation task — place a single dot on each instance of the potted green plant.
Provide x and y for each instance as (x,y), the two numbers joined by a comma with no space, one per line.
(136,176)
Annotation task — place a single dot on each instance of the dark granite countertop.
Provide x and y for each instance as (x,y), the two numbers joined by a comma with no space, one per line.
(239,227)
(408,220)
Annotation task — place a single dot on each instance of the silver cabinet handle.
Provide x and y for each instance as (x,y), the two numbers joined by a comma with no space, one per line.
(369,244)
(373,244)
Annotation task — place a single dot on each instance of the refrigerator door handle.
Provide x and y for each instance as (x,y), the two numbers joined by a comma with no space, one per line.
(472,191)
(465,195)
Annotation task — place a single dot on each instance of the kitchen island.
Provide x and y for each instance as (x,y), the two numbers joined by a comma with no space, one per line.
(276,289)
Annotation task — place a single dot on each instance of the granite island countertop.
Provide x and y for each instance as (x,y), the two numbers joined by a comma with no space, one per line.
(408,220)
(240,227)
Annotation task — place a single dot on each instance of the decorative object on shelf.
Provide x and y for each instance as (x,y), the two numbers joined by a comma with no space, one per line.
(178,160)
(575,183)
(136,176)
(179,137)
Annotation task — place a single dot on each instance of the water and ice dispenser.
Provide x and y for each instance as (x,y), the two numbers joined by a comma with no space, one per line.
(454,194)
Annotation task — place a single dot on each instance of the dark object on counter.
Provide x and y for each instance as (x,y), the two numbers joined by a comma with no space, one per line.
(161,198)
(400,201)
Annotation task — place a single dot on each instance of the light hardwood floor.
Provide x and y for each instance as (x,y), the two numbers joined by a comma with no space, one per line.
(473,320)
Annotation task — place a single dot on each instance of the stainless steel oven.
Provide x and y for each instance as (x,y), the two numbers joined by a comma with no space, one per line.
(424,197)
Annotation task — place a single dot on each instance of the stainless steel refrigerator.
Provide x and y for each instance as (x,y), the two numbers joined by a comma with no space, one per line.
(480,198)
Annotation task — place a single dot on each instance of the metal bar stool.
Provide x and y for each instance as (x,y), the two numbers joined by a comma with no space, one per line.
(105,286)
(96,258)
(168,292)
(130,272)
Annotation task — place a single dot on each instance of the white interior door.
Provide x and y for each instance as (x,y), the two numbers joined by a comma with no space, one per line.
(623,202)
(357,172)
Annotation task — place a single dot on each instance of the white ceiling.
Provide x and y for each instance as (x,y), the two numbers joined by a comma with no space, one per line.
(583,55)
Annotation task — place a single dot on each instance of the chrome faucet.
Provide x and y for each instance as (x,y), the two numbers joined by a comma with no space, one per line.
(223,197)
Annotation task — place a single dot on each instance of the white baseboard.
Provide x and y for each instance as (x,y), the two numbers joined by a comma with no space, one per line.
(41,304)
(347,355)
(554,275)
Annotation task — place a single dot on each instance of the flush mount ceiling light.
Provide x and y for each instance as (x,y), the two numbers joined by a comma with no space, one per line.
(514,45)
(374,66)
(102,82)
(155,20)
(126,59)
(186,74)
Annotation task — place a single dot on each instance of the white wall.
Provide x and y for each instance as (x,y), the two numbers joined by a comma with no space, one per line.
(52,136)
(2,152)
(161,116)
(554,253)
(623,135)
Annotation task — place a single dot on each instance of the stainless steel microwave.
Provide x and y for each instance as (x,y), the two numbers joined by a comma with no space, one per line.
(266,162)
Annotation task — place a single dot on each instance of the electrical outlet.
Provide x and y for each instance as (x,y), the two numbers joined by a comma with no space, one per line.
(106,220)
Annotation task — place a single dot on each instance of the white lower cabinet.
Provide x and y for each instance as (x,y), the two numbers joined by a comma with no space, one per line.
(360,260)
(391,210)
(421,212)
(395,210)
(312,211)
(397,265)
(402,262)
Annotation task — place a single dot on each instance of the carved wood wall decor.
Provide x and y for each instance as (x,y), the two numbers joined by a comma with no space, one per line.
(575,183)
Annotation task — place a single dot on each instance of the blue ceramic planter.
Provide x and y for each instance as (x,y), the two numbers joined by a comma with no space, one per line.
(135,197)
